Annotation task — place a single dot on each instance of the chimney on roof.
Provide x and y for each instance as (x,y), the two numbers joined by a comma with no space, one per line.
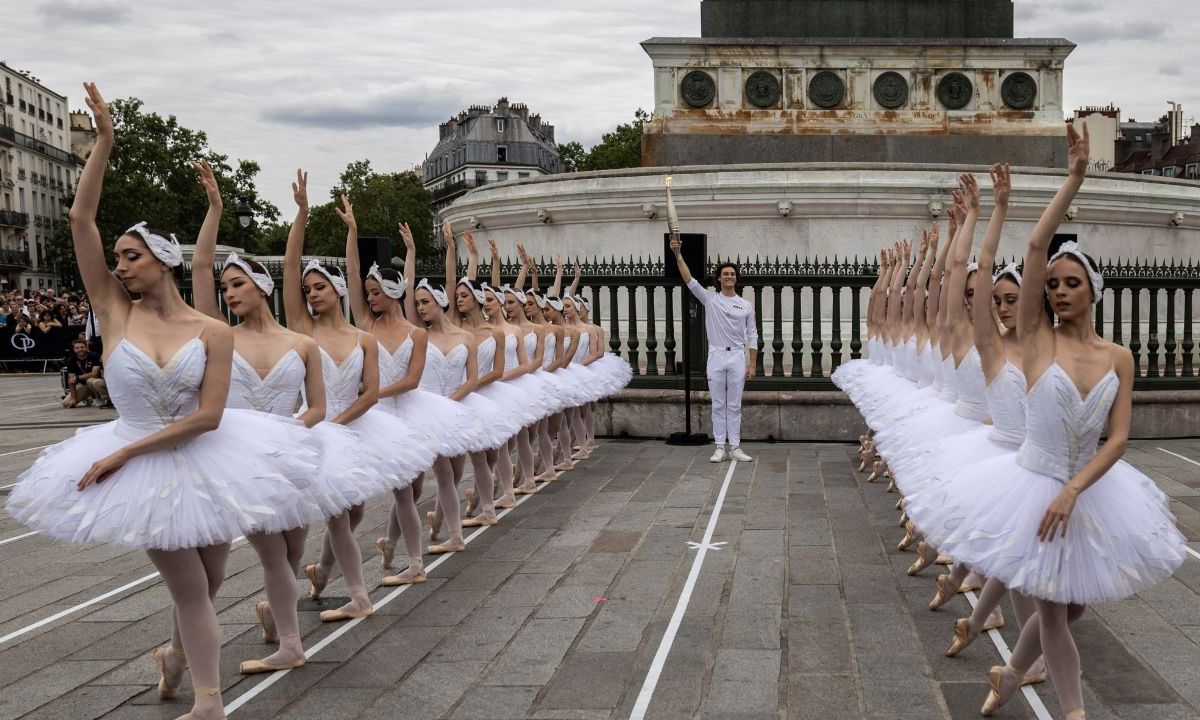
(1160,143)
(1194,140)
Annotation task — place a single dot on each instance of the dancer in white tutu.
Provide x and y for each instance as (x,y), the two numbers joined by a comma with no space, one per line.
(578,379)
(489,397)
(1069,525)
(177,474)
(504,308)
(446,426)
(272,366)
(350,364)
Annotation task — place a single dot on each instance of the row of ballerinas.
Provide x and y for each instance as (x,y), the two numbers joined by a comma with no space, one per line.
(988,419)
(261,430)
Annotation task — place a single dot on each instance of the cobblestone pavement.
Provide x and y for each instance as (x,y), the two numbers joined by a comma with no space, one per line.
(801,609)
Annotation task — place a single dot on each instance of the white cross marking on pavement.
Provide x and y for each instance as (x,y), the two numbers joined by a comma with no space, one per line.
(706,546)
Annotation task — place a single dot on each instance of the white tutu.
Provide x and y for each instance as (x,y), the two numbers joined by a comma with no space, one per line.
(898,441)
(349,473)
(522,407)
(943,458)
(403,453)
(617,369)
(496,425)
(449,425)
(587,383)
(1120,538)
(544,401)
(564,390)
(251,474)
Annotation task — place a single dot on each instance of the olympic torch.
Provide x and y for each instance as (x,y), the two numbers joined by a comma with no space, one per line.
(672,216)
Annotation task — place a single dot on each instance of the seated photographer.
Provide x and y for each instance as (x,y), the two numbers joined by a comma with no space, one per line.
(84,377)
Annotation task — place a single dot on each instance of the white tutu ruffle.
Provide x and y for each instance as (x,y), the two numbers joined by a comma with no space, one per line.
(496,426)
(251,474)
(450,425)
(1121,538)
(522,408)
(403,453)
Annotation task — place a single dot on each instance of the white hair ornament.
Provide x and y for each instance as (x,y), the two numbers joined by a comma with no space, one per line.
(165,249)
(439,295)
(392,288)
(338,282)
(1072,248)
(262,280)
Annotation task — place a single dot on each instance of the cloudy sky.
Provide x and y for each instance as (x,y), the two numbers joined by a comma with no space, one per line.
(318,84)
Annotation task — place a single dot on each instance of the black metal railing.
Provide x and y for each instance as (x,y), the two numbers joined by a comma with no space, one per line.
(14,258)
(10,218)
(810,315)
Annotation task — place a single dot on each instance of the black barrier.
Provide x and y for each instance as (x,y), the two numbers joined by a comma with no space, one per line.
(35,345)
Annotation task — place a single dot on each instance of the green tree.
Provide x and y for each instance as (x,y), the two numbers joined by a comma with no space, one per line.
(621,148)
(381,202)
(150,177)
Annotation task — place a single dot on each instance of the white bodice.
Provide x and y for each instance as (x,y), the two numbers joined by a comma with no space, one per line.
(875,351)
(510,352)
(549,357)
(393,367)
(933,358)
(949,391)
(972,388)
(1063,428)
(444,373)
(485,356)
(278,393)
(924,374)
(1006,401)
(582,351)
(531,340)
(147,396)
(910,360)
(341,381)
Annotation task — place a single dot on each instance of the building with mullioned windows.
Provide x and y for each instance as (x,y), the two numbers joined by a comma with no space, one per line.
(483,145)
(37,172)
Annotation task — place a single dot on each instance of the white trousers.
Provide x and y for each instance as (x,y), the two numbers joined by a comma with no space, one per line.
(726,378)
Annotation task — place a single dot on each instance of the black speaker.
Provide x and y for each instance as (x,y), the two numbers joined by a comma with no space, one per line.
(695,254)
(374,250)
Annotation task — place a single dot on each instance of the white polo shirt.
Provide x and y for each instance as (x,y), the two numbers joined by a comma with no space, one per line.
(729,321)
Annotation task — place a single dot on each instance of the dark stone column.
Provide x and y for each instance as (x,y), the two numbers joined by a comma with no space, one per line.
(857,18)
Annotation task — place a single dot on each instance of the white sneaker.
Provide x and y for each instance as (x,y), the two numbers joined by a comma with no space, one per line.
(739,455)
(719,455)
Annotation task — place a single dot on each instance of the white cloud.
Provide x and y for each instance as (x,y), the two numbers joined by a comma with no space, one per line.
(319,85)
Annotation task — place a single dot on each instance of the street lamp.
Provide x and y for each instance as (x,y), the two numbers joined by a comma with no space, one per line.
(244,213)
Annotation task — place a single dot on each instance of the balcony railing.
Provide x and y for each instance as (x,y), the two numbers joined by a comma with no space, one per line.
(9,218)
(455,189)
(34,144)
(14,258)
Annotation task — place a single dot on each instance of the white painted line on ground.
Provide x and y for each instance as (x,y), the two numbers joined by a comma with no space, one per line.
(86,604)
(14,539)
(1181,457)
(1035,702)
(18,452)
(276,676)
(664,648)
(1192,552)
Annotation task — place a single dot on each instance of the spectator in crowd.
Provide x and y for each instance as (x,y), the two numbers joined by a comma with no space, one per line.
(47,321)
(23,325)
(85,377)
(74,316)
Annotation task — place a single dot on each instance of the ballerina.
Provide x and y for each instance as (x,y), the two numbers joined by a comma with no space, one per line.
(168,370)
(565,367)
(504,309)
(350,363)
(1071,524)
(271,367)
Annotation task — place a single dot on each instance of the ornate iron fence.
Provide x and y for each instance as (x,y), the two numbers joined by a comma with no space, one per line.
(810,315)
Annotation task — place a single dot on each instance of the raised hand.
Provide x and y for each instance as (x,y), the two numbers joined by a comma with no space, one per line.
(469,238)
(960,206)
(300,189)
(1001,184)
(99,108)
(677,245)
(907,245)
(558,260)
(924,247)
(406,234)
(970,190)
(209,181)
(447,231)
(492,246)
(1078,149)
(521,252)
(935,234)
(346,213)
(578,270)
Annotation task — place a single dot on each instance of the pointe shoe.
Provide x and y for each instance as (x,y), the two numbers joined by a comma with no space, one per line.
(524,490)
(507,501)
(876,471)
(1075,715)
(484,519)
(1000,691)
(316,582)
(903,519)
(387,552)
(168,682)
(198,694)
(252,667)
(972,582)
(962,637)
(472,502)
(945,592)
(925,558)
(581,455)
(1037,673)
(417,577)
(338,615)
(995,620)
(892,485)
(435,524)
(900,504)
(944,560)
(263,610)
(565,466)
(910,536)
(451,545)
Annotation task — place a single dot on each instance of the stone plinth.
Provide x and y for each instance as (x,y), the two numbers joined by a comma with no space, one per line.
(737,100)
(857,18)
